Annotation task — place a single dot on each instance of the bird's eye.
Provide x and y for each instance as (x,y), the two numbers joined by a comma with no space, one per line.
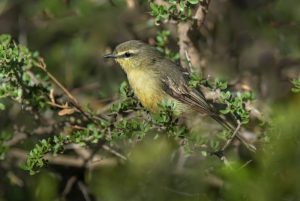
(127,54)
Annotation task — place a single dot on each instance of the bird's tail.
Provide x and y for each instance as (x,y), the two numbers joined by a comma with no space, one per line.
(223,121)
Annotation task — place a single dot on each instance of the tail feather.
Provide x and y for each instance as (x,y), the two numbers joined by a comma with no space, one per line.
(223,122)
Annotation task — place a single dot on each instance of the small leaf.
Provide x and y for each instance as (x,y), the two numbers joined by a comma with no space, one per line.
(193,2)
(2,106)
(124,89)
(225,111)
(296,83)
(66,111)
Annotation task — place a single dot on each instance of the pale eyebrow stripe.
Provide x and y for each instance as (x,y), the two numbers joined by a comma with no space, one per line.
(120,54)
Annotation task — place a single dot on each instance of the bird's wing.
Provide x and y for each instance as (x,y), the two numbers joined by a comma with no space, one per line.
(183,93)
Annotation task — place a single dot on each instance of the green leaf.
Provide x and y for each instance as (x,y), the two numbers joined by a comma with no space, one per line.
(193,2)
(172,1)
(226,111)
(182,6)
(220,84)
(195,79)
(124,89)
(296,85)
(154,8)
(295,90)
(2,106)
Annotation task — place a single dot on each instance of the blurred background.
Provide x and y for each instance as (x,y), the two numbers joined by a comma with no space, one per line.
(254,44)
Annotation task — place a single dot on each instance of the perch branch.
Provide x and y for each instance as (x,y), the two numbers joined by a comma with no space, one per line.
(185,42)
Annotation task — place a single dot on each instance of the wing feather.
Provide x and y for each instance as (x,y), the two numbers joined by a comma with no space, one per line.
(182,92)
(196,99)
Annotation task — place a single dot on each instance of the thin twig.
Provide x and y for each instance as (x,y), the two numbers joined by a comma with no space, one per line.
(226,162)
(190,70)
(180,192)
(85,154)
(16,139)
(105,147)
(63,160)
(229,141)
(185,42)
(114,152)
(237,135)
(58,106)
(69,186)
(246,164)
(201,12)
(84,191)
(74,101)
(42,66)
(248,145)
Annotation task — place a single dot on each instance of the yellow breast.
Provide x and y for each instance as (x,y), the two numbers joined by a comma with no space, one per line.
(147,88)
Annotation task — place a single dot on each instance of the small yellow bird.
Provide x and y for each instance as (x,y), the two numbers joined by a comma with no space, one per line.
(155,78)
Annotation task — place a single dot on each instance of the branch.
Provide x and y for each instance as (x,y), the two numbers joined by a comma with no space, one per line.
(229,141)
(42,66)
(201,12)
(74,101)
(63,160)
(185,43)
(105,147)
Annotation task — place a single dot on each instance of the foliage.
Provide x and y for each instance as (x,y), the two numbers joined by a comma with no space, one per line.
(128,99)
(296,85)
(173,10)
(4,137)
(235,103)
(55,145)
(17,59)
(78,140)
(16,79)
(196,79)
(119,127)
(162,41)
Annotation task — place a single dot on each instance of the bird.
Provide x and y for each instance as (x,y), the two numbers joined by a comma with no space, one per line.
(155,78)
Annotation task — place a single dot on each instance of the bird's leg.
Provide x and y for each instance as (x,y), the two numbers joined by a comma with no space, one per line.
(247,145)
(220,153)
(234,134)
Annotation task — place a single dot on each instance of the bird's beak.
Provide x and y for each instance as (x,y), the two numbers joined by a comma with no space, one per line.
(110,56)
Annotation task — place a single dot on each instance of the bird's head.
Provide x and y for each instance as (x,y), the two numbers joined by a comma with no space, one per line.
(134,54)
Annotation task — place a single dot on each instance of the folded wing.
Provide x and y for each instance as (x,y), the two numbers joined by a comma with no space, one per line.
(190,96)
